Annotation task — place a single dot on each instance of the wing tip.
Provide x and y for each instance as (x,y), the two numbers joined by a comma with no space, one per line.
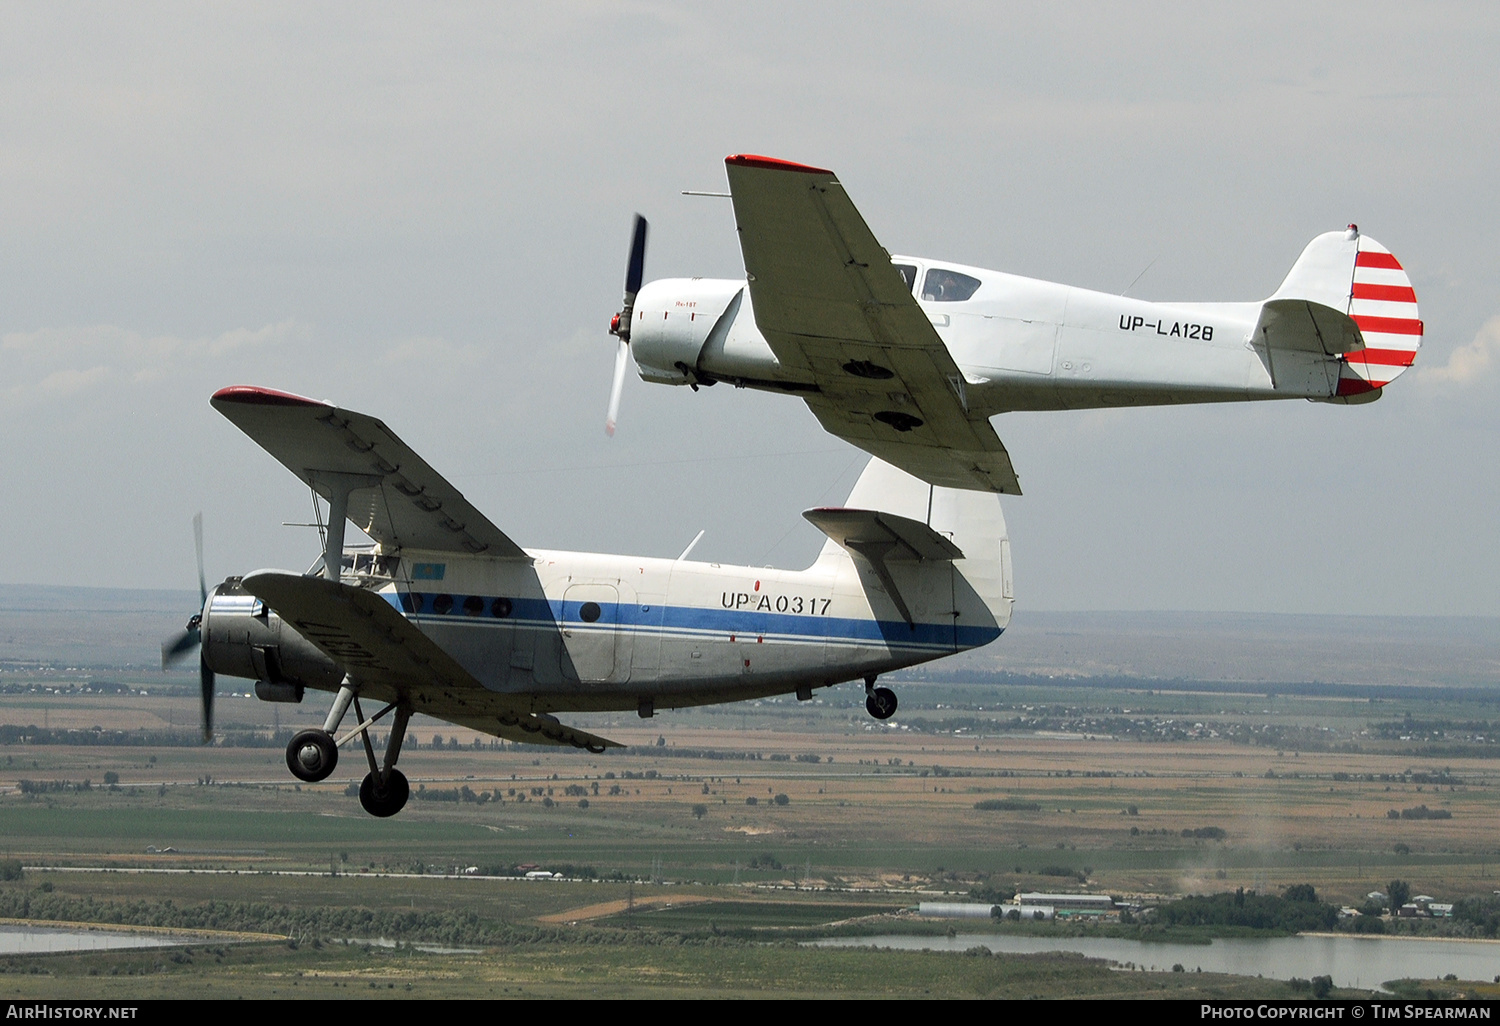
(254,395)
(772,164)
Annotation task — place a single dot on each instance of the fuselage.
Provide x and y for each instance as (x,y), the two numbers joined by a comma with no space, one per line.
(586,631)
(1022,343)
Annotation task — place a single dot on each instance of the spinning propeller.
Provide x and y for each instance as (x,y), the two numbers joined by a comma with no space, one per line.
(178,645)
(619,325)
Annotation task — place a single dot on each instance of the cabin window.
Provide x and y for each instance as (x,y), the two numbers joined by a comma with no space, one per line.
(589,612)
(500,607)
(948,286)
(442,604)
(909,272)
(473,605)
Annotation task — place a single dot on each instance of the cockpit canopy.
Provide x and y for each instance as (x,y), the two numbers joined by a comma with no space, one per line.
(943,286)
(940,285)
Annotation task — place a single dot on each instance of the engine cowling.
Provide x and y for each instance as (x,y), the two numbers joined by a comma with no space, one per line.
(244,638)
(691,331)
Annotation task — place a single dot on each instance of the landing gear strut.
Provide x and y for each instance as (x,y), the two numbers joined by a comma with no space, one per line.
(313,754)
(384,790)
(879,702)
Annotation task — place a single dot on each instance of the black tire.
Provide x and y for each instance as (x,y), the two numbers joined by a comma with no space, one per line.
(386,801)
(312,756)
(881,703)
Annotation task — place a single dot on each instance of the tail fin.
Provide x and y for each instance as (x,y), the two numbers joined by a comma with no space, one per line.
(1356,275)
(971,520)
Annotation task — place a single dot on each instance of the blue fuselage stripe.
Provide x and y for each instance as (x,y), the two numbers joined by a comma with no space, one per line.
(692,621)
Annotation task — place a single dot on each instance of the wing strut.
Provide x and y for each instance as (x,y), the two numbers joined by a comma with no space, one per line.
(339,486)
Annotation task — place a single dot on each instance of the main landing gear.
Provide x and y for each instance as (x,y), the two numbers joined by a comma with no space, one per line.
(879,702)
(312,755)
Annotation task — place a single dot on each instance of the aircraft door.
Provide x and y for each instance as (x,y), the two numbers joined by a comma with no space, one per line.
(597,649)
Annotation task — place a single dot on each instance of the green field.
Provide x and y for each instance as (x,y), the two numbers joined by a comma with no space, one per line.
(677,885)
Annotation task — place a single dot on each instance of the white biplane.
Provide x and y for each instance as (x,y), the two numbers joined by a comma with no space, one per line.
(908,358)
(446,616)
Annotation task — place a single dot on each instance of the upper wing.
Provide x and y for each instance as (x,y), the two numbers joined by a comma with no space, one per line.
(383,651)
(400,500)
(830,304)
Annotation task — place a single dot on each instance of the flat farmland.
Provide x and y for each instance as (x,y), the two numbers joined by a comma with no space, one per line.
(713,835)
(804,795)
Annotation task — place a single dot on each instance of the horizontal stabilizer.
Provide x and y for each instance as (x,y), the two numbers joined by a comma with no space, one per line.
(893,537)
(881,539)
(1301,325)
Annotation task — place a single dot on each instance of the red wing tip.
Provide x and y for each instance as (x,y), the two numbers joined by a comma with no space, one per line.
(772,164)
(253,395)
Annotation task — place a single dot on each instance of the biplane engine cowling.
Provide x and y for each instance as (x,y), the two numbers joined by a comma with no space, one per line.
(699,330)
(243,638)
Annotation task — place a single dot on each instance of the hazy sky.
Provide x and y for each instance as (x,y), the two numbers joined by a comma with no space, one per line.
(422,212)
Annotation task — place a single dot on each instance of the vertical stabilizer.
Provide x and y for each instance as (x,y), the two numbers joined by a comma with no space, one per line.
(971,520)
(1356,275)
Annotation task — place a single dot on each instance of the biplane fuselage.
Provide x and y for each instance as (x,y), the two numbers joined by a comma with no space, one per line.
(573,631)
(444,615)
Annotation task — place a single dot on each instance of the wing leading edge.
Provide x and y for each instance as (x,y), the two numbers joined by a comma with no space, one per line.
(830,304)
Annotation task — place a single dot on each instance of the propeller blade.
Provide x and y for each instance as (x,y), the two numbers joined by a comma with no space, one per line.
(636,269)
(206,688)
(621,359)
(178,645)
(198,544)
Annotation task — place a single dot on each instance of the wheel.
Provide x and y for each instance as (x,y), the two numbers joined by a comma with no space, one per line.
(385,801)
(312,755)
(881,703)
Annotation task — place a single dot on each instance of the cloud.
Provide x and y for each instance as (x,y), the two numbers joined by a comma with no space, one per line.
(1472,364)
(44,366)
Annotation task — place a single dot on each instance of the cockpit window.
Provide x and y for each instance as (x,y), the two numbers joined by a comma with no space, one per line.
(909,273)
(948,286)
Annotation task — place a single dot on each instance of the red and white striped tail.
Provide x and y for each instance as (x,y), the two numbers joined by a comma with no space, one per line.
(1384,305)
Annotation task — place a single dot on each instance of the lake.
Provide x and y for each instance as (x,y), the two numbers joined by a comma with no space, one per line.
(1364,962)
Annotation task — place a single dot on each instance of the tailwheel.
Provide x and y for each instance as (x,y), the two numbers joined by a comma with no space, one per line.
(881,703)
(312,755)
(386,800)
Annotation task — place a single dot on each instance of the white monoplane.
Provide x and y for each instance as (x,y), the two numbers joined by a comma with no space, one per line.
(908,358)
(447,616)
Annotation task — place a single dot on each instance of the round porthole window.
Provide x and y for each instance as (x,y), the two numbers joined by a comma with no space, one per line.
(500,607)
(442,604)
(589,612)
(473,605)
